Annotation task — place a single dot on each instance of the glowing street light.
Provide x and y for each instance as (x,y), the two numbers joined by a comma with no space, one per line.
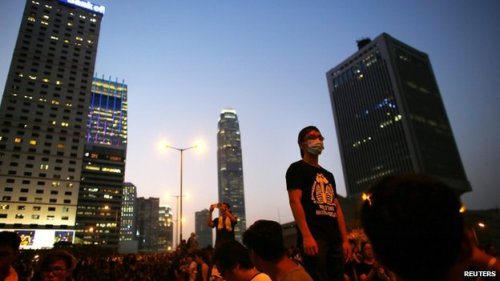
(181,150)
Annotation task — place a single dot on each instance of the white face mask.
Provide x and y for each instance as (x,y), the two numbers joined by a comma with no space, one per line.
(314,146)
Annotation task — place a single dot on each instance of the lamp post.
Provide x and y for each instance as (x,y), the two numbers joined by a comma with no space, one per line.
(177,217)
(181,150)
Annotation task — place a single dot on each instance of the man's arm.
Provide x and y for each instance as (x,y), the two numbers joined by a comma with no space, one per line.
(343,231)
(230,216)
(309,243)
(210,220)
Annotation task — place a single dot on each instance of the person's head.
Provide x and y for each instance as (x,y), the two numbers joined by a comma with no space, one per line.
(231,258)
(264,239)
(224,207)
(367,251)
(415,226)
(9,249)
(310,140)
(57,265)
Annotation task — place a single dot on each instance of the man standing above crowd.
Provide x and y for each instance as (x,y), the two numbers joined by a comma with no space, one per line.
(224,224)
(322,235)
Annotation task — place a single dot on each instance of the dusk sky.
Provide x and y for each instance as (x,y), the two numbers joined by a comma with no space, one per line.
(185,61)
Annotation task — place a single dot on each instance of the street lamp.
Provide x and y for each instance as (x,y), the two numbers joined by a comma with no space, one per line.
(181,150)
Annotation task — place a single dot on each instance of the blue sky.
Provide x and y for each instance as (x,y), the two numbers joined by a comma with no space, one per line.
(184,61)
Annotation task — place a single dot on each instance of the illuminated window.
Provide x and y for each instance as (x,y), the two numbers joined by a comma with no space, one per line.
(33,142)
(35,217)
(18,140)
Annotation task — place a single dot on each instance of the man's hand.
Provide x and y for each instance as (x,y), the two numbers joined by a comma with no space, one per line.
(346,247)
(310,246)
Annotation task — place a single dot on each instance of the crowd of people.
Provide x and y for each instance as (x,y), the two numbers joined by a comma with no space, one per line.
(414,226)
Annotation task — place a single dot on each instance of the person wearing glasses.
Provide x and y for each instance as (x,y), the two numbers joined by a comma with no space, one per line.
(57,265)
(322,235)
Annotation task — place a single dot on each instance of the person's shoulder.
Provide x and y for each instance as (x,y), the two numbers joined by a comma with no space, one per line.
(296,165)
(261,277)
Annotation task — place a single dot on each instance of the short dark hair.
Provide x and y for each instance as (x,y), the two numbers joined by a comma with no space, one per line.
(265,238)
(415,225)
(302,135)
(10,239)
(230,254)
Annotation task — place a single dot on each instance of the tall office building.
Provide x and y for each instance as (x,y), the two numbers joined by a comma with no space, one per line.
(390,117)
(128,227)
(103,169)
(203,232)
(148,213)
(43,119)
(230,167)
(165,229)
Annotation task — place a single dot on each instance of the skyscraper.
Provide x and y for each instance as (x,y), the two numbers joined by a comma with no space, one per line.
(202,230)
(165,229)
(230,167)
(103,169)
(148,222)
(43,118)
(128,227)
(390,117)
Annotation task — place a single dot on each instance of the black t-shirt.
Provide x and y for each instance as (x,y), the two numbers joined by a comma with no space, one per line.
(222,235)
(318,199)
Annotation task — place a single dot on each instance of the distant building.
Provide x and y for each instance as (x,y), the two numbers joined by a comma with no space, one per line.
(230,167)
(128,227)
(103,169)
(390,117)
(165,230)
(203,232)
(148,213)
(43,120)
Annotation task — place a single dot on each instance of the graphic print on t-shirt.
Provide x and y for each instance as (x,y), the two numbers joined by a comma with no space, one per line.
(323,195)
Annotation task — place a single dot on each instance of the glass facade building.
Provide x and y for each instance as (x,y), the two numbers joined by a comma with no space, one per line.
(166,229)
(43,119)
(103,169)
(148,223)
(128,224)
(390,116)
(230,167)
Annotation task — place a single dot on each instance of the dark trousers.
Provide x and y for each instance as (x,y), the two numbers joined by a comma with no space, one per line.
(328,265)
